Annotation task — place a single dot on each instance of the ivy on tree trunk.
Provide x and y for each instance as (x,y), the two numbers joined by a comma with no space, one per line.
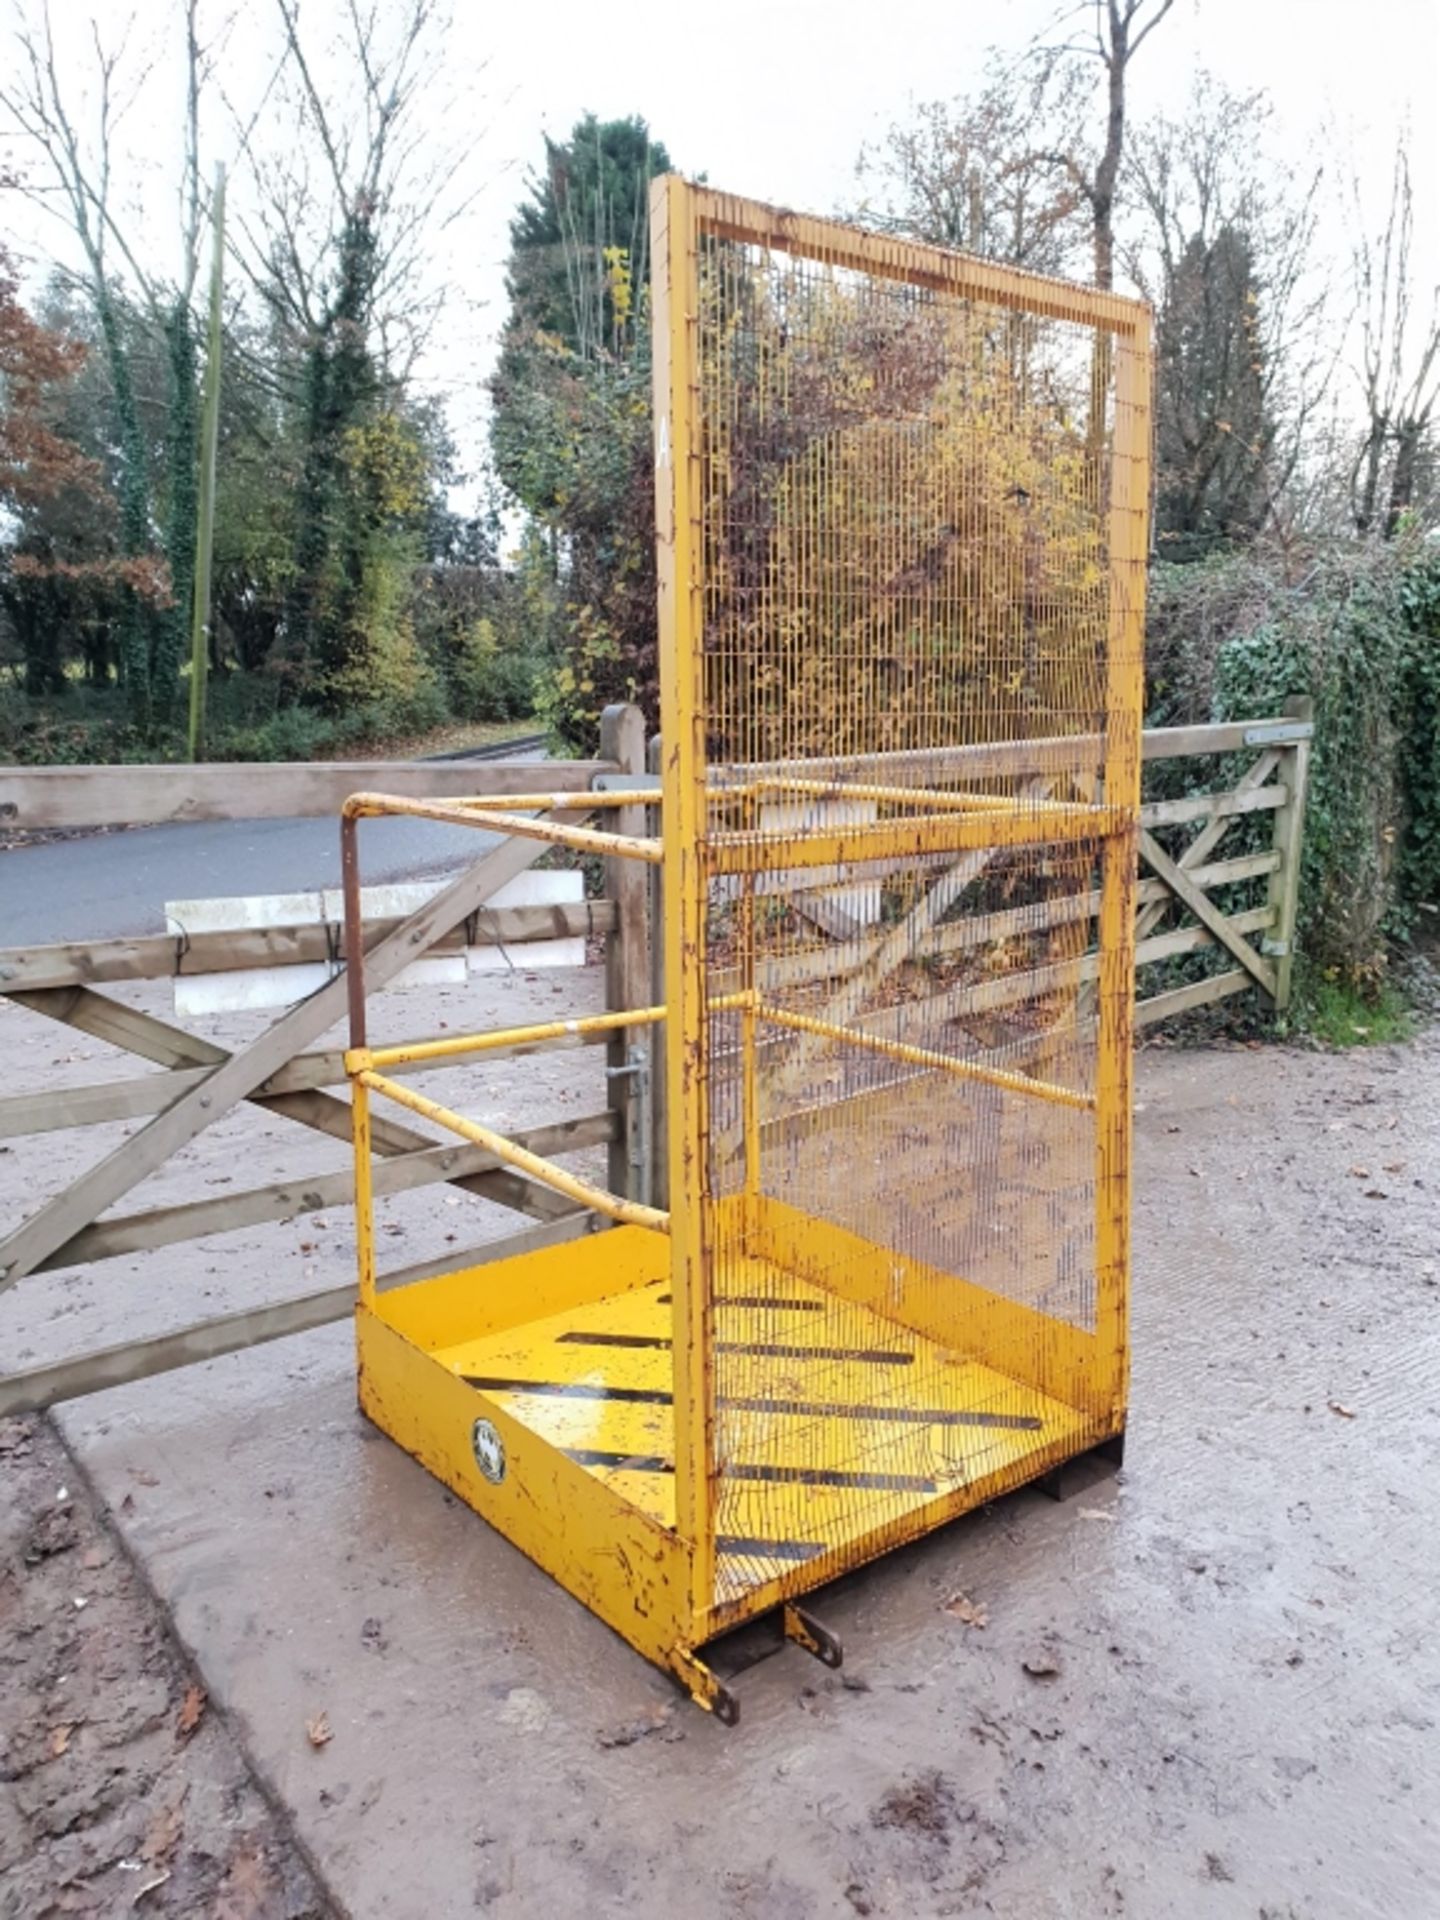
(171,626)
(136,617)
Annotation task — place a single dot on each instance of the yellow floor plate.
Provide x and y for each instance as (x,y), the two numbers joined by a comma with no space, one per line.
(831,1422)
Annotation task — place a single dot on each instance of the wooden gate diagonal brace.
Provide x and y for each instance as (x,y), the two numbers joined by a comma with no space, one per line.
(238,1075)
(1205,911)
(151,1038)
(1208,838)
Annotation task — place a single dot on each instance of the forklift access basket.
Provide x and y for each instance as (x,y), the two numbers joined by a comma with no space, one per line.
(902,512)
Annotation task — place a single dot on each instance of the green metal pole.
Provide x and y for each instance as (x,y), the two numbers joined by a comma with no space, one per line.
(205,526)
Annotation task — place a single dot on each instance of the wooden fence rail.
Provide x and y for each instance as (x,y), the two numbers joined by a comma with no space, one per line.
(67,797)
(283,1072)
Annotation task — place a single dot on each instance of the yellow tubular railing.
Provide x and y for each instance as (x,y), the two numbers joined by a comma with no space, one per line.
(584,1192)
(584,839)
(367,806)
(364,1193)
(941,799)
(362,806)
(359,1059)
(364,1059)
(927,1057)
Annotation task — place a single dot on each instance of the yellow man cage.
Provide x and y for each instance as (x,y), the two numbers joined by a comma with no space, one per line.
(902,500)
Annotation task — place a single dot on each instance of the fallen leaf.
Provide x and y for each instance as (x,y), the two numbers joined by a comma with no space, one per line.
(191,1709)
(163,1834)
(1376,1193)
(149,1886)
(244,1893)
(1393,1166)
(1336,1406)
(317,1731)
(964,1608)
(1041,1666)
(1360,1173)
(59,1740)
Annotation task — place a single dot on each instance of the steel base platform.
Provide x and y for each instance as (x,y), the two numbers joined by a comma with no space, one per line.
(540,1390)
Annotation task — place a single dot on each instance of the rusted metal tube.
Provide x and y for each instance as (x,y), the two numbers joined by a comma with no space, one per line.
(354,927)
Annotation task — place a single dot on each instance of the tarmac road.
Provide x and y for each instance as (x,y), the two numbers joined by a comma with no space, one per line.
(112,884)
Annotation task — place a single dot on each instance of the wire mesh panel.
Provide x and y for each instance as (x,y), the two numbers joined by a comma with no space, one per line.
(902,503)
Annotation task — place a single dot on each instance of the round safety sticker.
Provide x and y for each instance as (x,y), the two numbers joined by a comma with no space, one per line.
(489,1450)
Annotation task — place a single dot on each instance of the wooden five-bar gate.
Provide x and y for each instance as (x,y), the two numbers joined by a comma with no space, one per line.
(282,1071)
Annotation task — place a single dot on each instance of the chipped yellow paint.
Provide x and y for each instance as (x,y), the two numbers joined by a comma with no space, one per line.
(611,1555)
(589,1384)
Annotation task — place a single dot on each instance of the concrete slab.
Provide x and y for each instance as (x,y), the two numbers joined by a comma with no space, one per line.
(1241,1716)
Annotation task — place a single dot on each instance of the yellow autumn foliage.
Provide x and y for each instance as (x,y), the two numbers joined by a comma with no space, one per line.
(904,532)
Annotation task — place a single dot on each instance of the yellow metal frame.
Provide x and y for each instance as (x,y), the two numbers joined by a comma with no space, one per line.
(443,1359)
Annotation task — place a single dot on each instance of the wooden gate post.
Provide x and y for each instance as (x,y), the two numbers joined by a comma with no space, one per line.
(1284,892)
(627,969)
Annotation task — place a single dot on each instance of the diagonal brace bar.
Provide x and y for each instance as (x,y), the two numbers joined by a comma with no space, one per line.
(239,1075)
(627,1212)
(1205,911)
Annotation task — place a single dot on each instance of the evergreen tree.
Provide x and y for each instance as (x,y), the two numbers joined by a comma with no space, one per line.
(571,427)
(1214,433)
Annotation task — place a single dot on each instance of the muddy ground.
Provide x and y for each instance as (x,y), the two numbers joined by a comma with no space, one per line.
(1209,1688)
(120,1789)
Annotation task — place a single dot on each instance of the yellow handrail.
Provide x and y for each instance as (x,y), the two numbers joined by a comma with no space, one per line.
(927,1057)
(627,1212)
(361,1059)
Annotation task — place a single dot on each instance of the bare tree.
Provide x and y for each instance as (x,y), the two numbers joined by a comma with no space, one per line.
(68,122)
(350,205)
(1223,242)
(1117,31)
(976,172)
(360,117)
(1399,358)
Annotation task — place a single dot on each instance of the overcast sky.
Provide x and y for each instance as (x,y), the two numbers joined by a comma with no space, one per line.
(773,98)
